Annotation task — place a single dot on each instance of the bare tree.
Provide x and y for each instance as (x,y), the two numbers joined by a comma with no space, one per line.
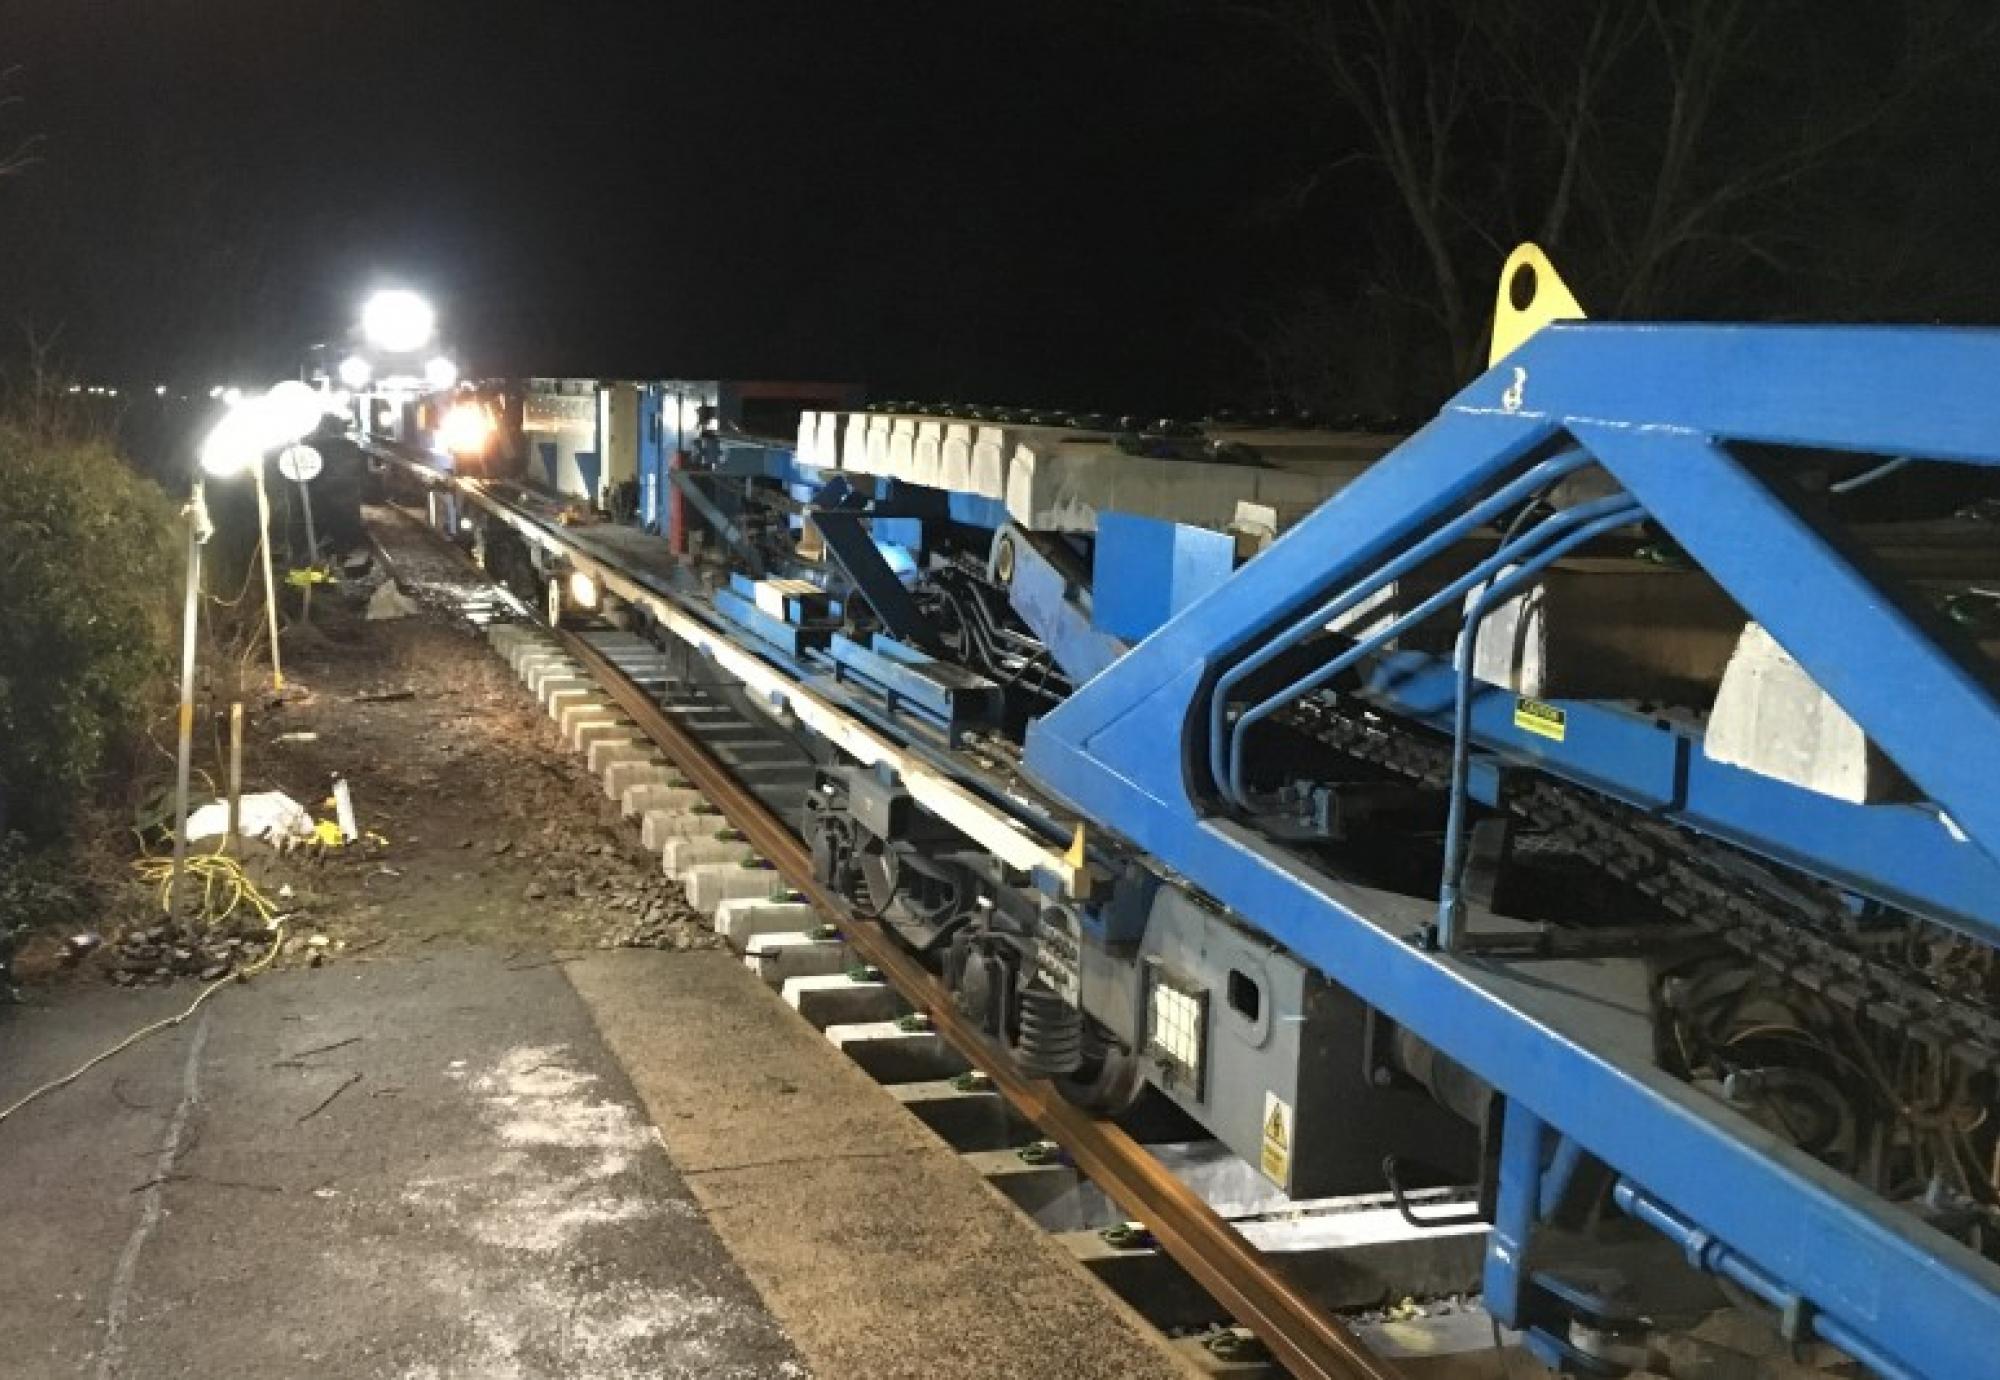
(26,150)
(1660,148)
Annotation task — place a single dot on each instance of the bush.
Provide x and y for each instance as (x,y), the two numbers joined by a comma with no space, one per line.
(89,567)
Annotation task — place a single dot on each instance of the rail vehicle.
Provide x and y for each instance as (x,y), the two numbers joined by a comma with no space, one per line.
(608,445)
(1591,799)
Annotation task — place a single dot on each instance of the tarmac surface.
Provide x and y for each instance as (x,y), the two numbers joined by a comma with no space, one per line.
(438,1167)
(422,1169)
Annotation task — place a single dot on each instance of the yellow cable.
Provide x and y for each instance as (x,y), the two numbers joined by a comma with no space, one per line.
(214,871)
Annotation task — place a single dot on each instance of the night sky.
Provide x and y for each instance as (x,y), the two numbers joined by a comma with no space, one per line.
(1054,201)
(1049,202)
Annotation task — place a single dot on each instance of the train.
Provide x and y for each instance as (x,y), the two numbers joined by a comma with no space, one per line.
(605,444)
(1586,800)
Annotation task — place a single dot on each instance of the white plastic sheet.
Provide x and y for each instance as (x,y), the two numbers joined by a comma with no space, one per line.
(269,815)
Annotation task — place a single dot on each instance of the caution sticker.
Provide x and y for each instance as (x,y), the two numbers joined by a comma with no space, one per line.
(1543,720)
(1276,1161)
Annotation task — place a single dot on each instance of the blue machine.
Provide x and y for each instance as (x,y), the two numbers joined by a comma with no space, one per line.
(1669,413)
(1265,802)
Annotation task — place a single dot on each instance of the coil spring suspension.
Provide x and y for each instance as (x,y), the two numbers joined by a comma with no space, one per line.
(1051,1040)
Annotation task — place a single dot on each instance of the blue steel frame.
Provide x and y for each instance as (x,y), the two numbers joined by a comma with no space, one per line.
(1658,407)
(1055,606)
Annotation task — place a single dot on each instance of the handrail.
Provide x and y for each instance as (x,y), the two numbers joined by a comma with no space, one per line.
(1540,476)
(1620,511)
(1510,553)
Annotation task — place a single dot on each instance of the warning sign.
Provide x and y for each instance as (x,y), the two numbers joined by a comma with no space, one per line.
(1544,720)
(1276,1161)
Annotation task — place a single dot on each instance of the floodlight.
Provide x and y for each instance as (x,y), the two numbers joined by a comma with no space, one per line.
(398,321)
(234,442)
(292,410)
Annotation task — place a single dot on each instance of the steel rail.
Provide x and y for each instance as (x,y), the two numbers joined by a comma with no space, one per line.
(1304,1338)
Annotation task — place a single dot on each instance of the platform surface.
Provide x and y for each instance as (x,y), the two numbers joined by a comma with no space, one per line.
(880,1250)
(476,1166)
(482,1197)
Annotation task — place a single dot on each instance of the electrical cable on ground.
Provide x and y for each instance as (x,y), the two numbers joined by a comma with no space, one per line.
(223,880)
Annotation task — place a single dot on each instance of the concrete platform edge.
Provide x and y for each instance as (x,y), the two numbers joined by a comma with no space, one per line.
(867,1281)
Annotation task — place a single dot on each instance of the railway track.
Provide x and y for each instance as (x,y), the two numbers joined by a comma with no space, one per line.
(1302,1337)
(1288,1300)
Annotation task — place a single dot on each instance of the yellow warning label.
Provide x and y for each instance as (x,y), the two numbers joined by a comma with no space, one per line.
(1544,720)
(1276,1161)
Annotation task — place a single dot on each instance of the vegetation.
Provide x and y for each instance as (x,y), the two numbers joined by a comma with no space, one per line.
(88,565)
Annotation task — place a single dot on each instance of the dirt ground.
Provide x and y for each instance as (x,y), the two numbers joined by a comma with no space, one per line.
(491,832)
(479,828)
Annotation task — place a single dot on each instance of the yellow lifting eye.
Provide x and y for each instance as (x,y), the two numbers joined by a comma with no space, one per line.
(1531,295)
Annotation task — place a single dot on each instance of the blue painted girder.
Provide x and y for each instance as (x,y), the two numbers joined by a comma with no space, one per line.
(1047,599)
(1655,404)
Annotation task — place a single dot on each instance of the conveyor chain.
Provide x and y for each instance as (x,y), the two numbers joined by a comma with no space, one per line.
(1792,934)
